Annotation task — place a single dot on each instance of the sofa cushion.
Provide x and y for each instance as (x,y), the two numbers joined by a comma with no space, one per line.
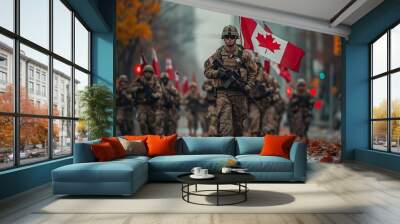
(275,145)
(207,145)
(185,163)
(249,145)
(257,163)
(112,171)
(116,145)
(103,152)
(134,147)
(159,145)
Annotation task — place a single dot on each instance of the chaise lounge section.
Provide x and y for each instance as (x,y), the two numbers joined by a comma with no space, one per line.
(125,176)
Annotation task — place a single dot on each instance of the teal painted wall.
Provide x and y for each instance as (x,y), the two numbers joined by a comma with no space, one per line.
(356,101)
(99,15)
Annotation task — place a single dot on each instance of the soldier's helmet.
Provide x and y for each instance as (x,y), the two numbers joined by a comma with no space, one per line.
(301,83)
(193,85)
(164,75)
(229,31)
(123,78)
(148,68)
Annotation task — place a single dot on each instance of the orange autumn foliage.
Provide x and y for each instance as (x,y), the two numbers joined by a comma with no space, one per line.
(33,130)
(134,19)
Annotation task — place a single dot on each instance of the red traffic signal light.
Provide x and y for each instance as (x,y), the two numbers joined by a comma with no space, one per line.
(137,69)
(289,91)
(313,92)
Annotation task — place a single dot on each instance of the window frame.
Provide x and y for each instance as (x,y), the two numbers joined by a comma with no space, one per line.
(16,114)
(388,74)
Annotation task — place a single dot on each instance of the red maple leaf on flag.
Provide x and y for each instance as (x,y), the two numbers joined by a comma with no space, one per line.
(268,42)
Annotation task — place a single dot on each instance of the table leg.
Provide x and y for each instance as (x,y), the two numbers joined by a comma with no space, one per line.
(245,193)
(196,187)
(217,194)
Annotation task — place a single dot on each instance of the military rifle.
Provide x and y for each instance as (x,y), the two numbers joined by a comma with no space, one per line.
(233,78)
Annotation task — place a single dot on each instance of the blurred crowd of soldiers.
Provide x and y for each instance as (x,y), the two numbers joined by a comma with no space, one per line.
(239,98)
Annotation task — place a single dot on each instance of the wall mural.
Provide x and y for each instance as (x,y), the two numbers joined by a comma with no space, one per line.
(195,72)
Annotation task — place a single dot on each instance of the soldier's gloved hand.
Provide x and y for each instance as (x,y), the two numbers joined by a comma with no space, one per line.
(223,74)
(247,88)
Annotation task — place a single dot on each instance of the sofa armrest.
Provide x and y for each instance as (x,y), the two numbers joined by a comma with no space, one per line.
(83,152)
(298,155)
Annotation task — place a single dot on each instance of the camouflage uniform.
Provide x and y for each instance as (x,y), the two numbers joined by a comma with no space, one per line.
(124,103)
(147,91)
(169,104)
(231,103)
(192,106)
(273,107)
(210,100)
(300,110)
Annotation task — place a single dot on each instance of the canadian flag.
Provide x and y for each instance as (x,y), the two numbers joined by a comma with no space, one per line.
(177,83)
(155,64)
(258,39)
(169,69)
(185,85)
(282,72)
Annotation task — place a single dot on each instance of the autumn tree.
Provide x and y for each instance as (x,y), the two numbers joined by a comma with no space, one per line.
(134,19)
(33,131)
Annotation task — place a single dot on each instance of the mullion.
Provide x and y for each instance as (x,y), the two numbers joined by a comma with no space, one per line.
(73,81)
(389,106)
(16,69)
(17,39)
(41,49)
(50,87)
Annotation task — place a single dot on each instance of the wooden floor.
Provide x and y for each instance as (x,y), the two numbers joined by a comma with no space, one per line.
(378,189)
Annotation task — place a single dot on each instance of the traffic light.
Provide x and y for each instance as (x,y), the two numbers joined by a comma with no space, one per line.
(137,69)
(289,91)
(318,104)
(313,92)
(337,46)
(322,75)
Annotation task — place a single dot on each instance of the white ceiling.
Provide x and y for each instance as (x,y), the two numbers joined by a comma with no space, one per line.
(315,15)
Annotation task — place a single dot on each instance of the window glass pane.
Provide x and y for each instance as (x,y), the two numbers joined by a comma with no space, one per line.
(6,74)
(81,45)
(62,138)
(62,89)
(81,81)
(395,94)
(62,29)
(379,97)
(379,135)
(35,21)
(34,76)
(379,55)
(7,14)
(33,139)
(395,135)
(395,47)
(6,142)
(81,131)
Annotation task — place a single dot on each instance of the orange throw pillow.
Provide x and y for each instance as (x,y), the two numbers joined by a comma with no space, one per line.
(116,145)
(135,137)
(161,145)
(103,152)
(275,145)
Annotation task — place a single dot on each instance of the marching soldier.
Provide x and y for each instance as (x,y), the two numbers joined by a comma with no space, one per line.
(192,106)
(274,107)
(233,73)
(210,100)
(170,104)
(124,103)
(300,110)
(147,91)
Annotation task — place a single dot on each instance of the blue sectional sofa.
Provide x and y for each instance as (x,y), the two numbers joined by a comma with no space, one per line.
(125,176)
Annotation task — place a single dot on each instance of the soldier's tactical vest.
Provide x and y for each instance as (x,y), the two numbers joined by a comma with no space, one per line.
(232,61)
(142,97)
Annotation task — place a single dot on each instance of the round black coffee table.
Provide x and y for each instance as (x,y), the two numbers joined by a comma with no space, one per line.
(238,179)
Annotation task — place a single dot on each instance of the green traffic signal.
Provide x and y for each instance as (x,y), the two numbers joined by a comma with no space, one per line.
(322,75)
